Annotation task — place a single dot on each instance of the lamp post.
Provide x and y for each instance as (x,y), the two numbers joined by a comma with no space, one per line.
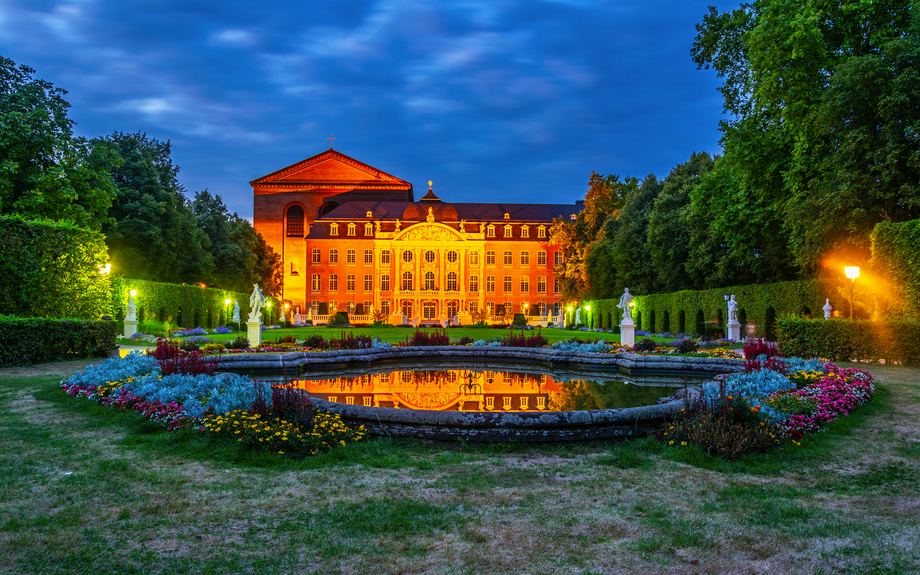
(588,319)
(852,273)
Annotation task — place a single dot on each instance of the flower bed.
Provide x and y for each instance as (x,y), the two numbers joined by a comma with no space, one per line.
(775,400)
(227,407)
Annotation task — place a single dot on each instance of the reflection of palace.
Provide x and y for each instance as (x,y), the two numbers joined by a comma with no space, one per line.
(353,238)
(441,390)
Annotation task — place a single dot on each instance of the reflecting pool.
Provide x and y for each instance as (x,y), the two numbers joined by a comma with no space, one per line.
(491,388)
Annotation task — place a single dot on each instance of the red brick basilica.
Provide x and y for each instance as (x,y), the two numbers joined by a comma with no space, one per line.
(353,238)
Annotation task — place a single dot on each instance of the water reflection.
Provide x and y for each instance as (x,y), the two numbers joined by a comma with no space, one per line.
(480,390)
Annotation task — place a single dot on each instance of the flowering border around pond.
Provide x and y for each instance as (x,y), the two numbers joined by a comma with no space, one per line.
(228,408)
(754,411)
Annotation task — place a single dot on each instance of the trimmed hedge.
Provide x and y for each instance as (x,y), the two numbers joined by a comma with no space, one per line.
(185,306)
(704,311)
(843,339)
(27,341)
(896,267)
(51,269)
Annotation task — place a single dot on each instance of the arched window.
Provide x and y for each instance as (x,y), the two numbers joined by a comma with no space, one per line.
(333,229)
(385,307)
(368,229)
(525,258)
(429,281)
(407,281)
(315,255)
(508,231)
(351,229)
(541,233)
(452,281)
(295,222)
(507,258)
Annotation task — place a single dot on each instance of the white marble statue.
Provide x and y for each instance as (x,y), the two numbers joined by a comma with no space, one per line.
(577,316)
(732,310)
(236,311)
(625,300)
(131,314)
(256,301)
(828,309)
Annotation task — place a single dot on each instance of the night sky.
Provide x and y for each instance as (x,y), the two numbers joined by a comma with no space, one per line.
(494,101)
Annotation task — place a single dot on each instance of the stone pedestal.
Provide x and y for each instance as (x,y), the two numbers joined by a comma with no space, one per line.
(628,333)
(733,332)
(130,328)
(464,318)
(396,318)
(254,333)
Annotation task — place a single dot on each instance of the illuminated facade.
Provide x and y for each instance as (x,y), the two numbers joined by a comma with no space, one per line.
(353,238)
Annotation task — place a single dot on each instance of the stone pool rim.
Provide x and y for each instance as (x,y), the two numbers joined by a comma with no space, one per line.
(497,425)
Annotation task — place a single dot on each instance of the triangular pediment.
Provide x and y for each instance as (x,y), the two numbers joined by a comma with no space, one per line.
(331,168)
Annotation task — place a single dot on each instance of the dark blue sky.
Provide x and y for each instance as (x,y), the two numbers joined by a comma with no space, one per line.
(493,100)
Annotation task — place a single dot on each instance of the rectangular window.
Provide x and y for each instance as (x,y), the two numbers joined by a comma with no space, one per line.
(508,232)
(333,306)
(350,256)
(351,229)
(367,309)
(368,256)
(474,283)
(541,258)
(556,285)
(490,231)
(350,399)
(541,402)
(506,402)
(474,258)
(385,309)
(333,256)
(350,282)
(541,232)
(385,282)
(525,401)
(490,258)
(525,232)
(490,284)
(368,282)
(333,282)
(385,257)
(315,255)
(525,285)
(557,307)
(367,400)
(333,229)
(557,258)
(332,399)
(474,307)
(368,229)
(541,285)
(507,258)
(525,258)
(490,402)
(315,282)
(507,284)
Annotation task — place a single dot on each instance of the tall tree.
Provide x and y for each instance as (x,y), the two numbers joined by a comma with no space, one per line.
(809,88)
(46,172)
(240,254)
(154,234)
(630,252)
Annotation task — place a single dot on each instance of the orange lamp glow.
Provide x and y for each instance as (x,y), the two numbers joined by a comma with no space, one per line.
(851,272)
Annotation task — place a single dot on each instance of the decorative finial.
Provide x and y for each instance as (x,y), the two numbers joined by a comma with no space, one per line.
(429,184)
(330,138)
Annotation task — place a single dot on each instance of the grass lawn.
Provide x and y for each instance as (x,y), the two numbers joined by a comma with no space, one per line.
(397,334)
(89,490)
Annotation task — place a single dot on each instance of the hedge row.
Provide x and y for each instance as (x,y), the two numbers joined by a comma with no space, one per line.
(52,269)
(182,305)
(704,311)
(26,341)
(895,267)
(842,339)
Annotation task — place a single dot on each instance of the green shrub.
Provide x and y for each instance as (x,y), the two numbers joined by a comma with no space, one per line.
(172,305)
(841,339)
(341,318)
(519,319)
(896,257)
(27,341)
(646,344)
(239,342)
(51,269)
(718,435)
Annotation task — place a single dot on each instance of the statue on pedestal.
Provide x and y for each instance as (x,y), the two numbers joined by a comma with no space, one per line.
(732,310)
(828,309)
(577,316)
(236,311)
(256,301)
(625,301)
(131,314)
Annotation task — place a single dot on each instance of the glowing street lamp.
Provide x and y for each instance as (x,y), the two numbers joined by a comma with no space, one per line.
(105,269)
(133,293)
(851,272)
(227,302)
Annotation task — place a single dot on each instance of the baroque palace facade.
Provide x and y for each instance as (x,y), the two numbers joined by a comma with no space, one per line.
(353,238)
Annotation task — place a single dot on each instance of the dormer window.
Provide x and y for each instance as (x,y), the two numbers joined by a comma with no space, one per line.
(508,232)
(525,231)
(368,229)
(351,229)
(369,214)
(541,232)
(507,216)
(333,229)
(573,217)
(490,231)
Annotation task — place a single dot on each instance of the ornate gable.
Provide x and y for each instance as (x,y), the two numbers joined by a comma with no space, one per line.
(429,232)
